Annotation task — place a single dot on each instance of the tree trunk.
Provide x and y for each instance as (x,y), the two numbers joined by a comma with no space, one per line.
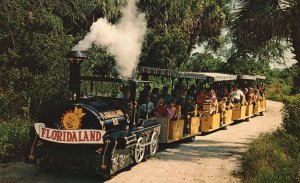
(295,35)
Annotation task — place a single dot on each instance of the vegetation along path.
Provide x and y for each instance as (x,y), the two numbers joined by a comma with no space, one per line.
(210,158)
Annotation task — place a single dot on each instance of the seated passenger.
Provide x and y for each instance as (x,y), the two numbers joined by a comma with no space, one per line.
(183,98)
(262,91)
(147,108)
(160,110)
(201,97)
(167,97)
(155,96)
(222,109)
(189,105)
(213,100)
(250,95)
(246,91)
(224,105)
(176,93)
(172,112)
(237,94)
(256,96)
(224,92)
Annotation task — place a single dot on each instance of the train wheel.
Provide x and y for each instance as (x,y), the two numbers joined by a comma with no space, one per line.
(261,113)
(154,144)
(139,150)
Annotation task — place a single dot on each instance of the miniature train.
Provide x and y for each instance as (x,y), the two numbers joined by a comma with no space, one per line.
(101,135)
(105,132)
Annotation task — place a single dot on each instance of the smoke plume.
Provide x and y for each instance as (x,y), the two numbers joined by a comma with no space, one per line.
(123,40)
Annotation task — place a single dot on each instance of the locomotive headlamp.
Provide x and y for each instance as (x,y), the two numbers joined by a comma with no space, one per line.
(75,58)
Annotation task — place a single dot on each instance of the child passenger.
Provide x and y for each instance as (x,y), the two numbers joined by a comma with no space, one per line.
(172,112)
(224,105)
(160,110)
(213,100)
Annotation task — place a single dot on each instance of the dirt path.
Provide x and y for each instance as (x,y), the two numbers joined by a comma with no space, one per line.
(210,158)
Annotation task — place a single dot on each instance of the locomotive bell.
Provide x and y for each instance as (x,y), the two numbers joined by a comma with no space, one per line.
(75,58)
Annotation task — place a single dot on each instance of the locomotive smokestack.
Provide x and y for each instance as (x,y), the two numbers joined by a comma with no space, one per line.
(75,58)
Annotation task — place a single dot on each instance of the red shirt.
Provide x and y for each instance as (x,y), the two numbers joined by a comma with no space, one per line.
(200,99)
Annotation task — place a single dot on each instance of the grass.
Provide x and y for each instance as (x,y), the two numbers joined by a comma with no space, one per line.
(276,157)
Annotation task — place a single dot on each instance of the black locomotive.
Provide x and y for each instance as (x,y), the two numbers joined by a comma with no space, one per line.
(101,133)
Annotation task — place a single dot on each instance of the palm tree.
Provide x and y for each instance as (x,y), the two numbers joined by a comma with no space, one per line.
(260,21)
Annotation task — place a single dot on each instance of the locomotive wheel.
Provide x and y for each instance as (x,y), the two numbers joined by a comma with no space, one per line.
(261,113)
(139,150)
(154,144)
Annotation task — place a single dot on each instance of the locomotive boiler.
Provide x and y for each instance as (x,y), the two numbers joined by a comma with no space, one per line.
(100,133)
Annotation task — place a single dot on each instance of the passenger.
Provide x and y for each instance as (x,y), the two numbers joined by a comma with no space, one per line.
(222,109)
(224,92)
(191,95)
(155,96)
(192,91)
(147,108)
(201,97)
(246,91)
(229,95)
(237,94)
(256,94)
(256,97)
(214,102)
(250,95)
(176,93)
(167,97)
(224,105)
(172,112)
(262,89)
(160,109)
(144,94)
(189,105)
(183,97)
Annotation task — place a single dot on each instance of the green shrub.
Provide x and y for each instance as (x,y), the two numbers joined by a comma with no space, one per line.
(276,157)
(291,116)
(14,134)
(272,158)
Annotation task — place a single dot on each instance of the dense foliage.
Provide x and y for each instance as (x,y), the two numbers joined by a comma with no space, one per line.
(280,83)
(175,27)
(13,139)
(259,22)
(276,157)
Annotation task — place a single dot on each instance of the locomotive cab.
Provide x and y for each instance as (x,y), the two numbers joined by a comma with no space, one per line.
(100,130)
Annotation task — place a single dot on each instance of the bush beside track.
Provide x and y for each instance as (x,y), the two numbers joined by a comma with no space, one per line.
(276,157)
(13,139)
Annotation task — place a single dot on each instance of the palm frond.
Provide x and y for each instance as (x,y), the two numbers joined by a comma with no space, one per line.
(259,21)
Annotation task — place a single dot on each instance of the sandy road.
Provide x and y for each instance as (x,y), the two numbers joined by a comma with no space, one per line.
(210,158)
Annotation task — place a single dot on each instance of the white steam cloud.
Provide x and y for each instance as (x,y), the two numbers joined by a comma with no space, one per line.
(123,40)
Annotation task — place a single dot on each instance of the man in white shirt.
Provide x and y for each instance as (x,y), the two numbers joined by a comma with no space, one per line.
(237,94)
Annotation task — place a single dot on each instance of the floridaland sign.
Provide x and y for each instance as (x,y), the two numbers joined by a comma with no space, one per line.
(71,132)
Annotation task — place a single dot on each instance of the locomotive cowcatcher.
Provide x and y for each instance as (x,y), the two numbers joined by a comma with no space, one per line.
(98,132)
